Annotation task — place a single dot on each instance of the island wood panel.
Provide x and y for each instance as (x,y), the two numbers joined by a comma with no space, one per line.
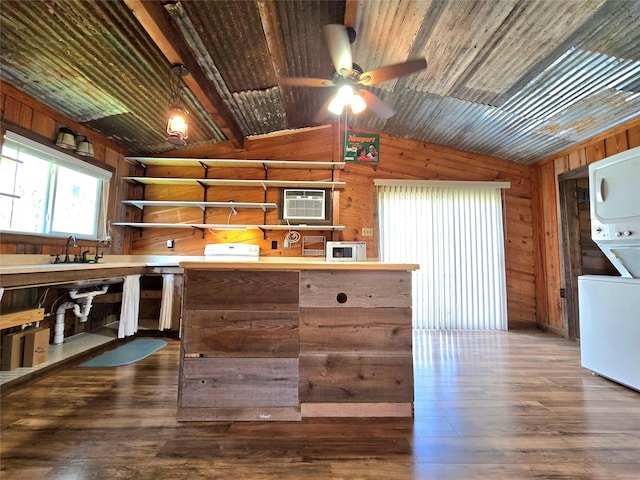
(355,330)
(239,382)
(229,333)
(349,378)
(362,409)
(241,290)
(364,289)
(240,345)
(358,351)
(248,414)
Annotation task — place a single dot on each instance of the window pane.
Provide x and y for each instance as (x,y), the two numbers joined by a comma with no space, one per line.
(47,192)
(75,203)
(27,212)
(8,170)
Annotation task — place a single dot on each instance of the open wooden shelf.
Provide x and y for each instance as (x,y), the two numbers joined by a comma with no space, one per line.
(213,162)
(202,205)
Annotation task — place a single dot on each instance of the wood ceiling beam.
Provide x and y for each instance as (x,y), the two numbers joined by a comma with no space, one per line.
(158,25)
(350,13)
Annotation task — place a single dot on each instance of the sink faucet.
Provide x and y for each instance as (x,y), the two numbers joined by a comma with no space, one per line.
(107,243)
(66,252)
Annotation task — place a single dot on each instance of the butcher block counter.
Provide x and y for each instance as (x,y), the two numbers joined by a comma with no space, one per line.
(285,340)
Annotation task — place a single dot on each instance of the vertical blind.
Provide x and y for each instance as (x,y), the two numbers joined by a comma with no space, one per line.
(454,231)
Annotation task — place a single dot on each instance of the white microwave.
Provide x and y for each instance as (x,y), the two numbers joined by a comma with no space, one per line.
(346,251)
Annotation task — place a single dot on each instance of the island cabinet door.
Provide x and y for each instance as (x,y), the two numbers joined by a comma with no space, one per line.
(355,343)
(240,346)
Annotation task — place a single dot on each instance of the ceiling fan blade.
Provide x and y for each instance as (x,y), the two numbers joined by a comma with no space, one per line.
(305,82)
(339,47)
(390,72)
(376,104)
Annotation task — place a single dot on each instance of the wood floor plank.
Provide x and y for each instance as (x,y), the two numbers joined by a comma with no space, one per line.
(488,405)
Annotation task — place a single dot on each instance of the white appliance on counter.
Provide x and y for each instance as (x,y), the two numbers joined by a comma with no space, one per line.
(610,306)
(232,252)
(346,252)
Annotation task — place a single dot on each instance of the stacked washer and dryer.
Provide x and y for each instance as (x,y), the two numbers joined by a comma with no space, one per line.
(610,305)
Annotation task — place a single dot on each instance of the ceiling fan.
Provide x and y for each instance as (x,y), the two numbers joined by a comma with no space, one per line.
(350,78)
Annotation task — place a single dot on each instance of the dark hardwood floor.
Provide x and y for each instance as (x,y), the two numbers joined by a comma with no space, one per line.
(488,405)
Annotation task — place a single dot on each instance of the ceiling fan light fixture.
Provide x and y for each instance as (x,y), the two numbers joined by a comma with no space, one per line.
(345,93)
(343,98)
(357,104)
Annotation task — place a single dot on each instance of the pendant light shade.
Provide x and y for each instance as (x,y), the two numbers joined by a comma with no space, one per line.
(336,105)
(66,139)
(357,104)
(85,147)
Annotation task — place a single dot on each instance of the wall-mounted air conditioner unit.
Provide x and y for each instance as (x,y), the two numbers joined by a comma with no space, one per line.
(303,204)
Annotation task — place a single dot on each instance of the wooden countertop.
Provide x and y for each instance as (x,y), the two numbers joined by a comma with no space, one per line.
(288,264)
(22,275)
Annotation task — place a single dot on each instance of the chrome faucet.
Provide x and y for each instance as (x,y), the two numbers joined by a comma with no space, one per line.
(66,252)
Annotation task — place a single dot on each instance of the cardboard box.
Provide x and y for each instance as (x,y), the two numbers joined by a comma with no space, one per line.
(36,347)
(13,350)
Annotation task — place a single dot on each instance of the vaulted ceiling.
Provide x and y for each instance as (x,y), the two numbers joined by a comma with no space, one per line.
(519,80)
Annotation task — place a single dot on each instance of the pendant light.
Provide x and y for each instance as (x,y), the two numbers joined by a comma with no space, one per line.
(177,123)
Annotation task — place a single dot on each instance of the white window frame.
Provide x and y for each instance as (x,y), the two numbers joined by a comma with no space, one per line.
(60,159)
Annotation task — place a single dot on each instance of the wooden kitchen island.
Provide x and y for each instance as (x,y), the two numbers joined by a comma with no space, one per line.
(287,340)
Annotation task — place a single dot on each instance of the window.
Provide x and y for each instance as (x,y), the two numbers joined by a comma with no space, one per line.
(454,230)
(46,192)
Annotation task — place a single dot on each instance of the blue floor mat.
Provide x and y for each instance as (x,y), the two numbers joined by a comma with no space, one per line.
(128,353)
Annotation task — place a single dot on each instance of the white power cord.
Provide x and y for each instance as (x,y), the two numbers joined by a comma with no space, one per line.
(291,237)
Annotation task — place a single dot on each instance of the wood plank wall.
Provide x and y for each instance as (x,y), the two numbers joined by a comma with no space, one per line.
(25,116)
(548,269)
(400,158)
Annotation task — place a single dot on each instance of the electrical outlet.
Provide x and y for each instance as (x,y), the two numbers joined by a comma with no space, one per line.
(367,232)
(170,243)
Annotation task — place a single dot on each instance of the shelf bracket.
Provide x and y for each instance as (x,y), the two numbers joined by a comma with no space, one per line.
(206,169)
(204,210)
(201,229)
(144,167)
(264,210)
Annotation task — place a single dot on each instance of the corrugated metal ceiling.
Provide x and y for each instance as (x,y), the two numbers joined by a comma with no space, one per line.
(515,79)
